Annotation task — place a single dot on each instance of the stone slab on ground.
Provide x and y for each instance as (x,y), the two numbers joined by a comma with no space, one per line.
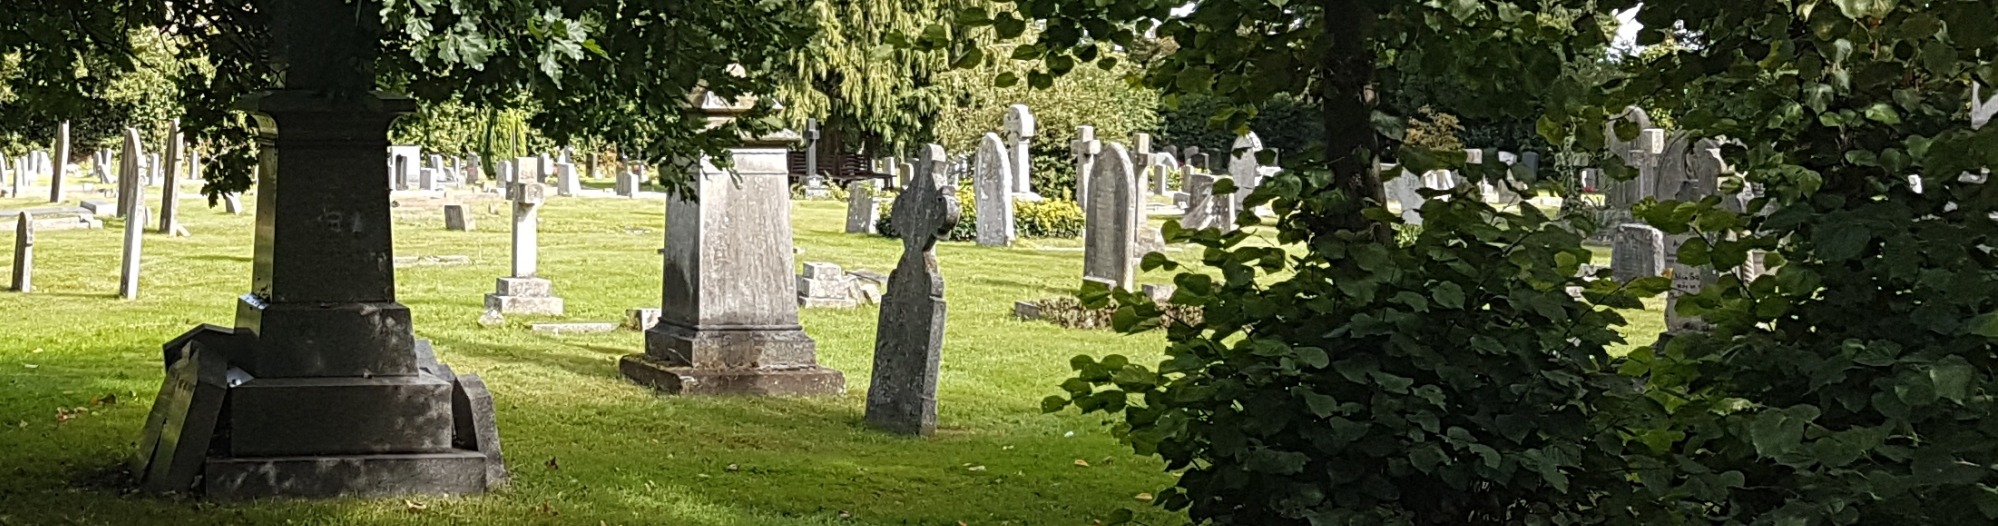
(574,327)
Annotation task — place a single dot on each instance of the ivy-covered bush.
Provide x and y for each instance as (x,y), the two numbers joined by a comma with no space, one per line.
(1048,218)
(1855,383)
(1447,379)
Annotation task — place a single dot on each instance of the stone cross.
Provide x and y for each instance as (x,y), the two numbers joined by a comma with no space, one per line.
(129,173)
(1020,141)
(170,191)
(1110,222)
(811,147)
(128,271)
(61,162)
(992,185)
(908,339)
(1085,148)
(24,252)
(524,292)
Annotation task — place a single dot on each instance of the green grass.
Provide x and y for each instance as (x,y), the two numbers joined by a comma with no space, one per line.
(625,454)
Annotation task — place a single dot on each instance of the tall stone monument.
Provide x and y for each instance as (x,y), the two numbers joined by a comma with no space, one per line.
(128,267)
(524,291)
(992,185)
(729,314)
(1020,143)
(908,340)
(328,393)
(1110,223)
(170,185)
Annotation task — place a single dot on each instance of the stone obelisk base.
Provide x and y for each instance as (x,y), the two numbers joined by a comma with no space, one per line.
(731,361)
(524,296)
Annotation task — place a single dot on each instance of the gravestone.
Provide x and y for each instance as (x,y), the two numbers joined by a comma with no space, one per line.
(1163,164)
(823,285)
(1085,148)
(129,173)
(627,183)
(729,313)
(544,168)
(232,203)
(908,338)
(1110,222)
(1687,279)
(1244,167)
(566,183)
(812,148)
(183,419)
(523,292)
(1638,251)
(23,173)
(455,218)
(128,271)
(1402,189)
(1201,209)
(24,253)
(328,395)
(170,190)
(861,213)
(1019,143)
(426,179)
(56,191)
(992,186)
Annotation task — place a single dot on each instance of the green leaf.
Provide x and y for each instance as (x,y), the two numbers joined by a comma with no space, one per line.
(1312,357)
(1321,405)
(1008,26)
(1884,113)
(1121,516)
(1448,295)
(1053,404)
(1952,378)
(970,59)
(1865,10)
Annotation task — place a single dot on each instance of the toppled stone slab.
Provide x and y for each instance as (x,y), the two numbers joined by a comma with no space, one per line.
(431,261)
(574,328)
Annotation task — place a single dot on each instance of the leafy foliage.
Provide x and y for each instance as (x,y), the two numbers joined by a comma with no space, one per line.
(872,95)
(1085,97)
(1048,218)
(1853,385)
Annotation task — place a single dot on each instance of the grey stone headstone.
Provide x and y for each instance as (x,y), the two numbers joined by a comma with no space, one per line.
(474,425)
(182,421)
(1243,166)
(455,218)
(861,214)
(1402,189)
(24,253)
(908,340)
(524,292)
(170,185)
(566,182)
(232,203)
(130,171)
(1638,251)
(992,185)
(56,192)
(128,273)
(1110,222)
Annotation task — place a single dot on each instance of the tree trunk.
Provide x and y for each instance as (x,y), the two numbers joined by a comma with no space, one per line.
(1346,84)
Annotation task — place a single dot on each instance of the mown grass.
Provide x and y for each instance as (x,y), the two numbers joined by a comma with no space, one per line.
(585,446)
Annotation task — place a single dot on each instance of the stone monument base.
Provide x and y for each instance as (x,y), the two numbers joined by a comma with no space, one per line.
(524,296)
(448,473)
(809,380)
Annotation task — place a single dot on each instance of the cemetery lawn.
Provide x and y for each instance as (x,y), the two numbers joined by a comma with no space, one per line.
(79,369)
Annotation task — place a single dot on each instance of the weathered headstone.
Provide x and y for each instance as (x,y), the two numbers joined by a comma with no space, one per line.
(1203,208)
(1110,222)
(729,312)
(861,213)
(811,147)
(566,183)
(1019,143)
(627,183)
(24,253)
(170,189)
(183,419)
(61,163)
(1638,251)
(129,174)
(1402,190)
(1085,148)
(823,285)
(1244,167)
(128,271)
(455,218)
(992,186)
(232,203)
(908,339)
(524,292)
(1163,164)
